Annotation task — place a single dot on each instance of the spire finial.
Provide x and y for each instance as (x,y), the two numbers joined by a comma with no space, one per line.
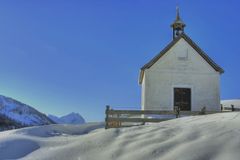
(177,11)
(178,25)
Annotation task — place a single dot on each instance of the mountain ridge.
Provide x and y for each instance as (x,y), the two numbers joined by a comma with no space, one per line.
(71,118)
(20,114)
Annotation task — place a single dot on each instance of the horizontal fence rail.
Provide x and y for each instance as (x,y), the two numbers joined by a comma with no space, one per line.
(111,111)
(143,120)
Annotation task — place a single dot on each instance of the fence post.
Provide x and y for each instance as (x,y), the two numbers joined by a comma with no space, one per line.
(232,107)
(177,110)
(221,107)
(106,119)
(119,122)
(203,110)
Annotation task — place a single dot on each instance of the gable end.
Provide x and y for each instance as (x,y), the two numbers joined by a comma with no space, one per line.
(215,66)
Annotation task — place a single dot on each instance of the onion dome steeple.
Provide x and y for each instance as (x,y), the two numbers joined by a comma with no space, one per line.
(178,25)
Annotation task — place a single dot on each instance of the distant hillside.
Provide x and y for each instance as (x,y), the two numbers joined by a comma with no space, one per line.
(7,123)
(72,118)
(16,114)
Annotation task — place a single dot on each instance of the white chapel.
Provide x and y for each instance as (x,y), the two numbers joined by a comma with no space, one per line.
(182,75)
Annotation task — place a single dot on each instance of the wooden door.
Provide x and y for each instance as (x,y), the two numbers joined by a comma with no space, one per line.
(182,98)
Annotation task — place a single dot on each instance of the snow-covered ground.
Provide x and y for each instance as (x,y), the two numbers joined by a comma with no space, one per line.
(206,137)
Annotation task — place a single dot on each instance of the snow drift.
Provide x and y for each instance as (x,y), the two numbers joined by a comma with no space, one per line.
(215,137)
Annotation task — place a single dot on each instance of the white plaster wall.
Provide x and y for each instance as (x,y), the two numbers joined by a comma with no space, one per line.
(143,94)
(190,71)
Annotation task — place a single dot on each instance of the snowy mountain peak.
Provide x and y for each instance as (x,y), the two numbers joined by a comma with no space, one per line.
(72,118)
(22,113)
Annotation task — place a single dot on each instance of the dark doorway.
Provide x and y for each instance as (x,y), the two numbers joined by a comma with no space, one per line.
(182,98)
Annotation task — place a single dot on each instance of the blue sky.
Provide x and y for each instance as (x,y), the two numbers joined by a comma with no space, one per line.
(63,56)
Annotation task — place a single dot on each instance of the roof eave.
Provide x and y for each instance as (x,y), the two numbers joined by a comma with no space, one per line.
(141,77)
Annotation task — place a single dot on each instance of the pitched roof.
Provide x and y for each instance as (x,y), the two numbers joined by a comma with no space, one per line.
(169,46)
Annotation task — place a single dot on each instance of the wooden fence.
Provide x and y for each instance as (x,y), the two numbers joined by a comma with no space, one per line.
(232,108)
(125,118)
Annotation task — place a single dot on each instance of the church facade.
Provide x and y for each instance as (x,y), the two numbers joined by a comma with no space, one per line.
(180,75)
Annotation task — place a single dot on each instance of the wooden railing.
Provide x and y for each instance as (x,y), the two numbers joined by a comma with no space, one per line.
(119,118)
(232,108)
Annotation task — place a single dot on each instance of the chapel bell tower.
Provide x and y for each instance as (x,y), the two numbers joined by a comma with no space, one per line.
(178,25)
